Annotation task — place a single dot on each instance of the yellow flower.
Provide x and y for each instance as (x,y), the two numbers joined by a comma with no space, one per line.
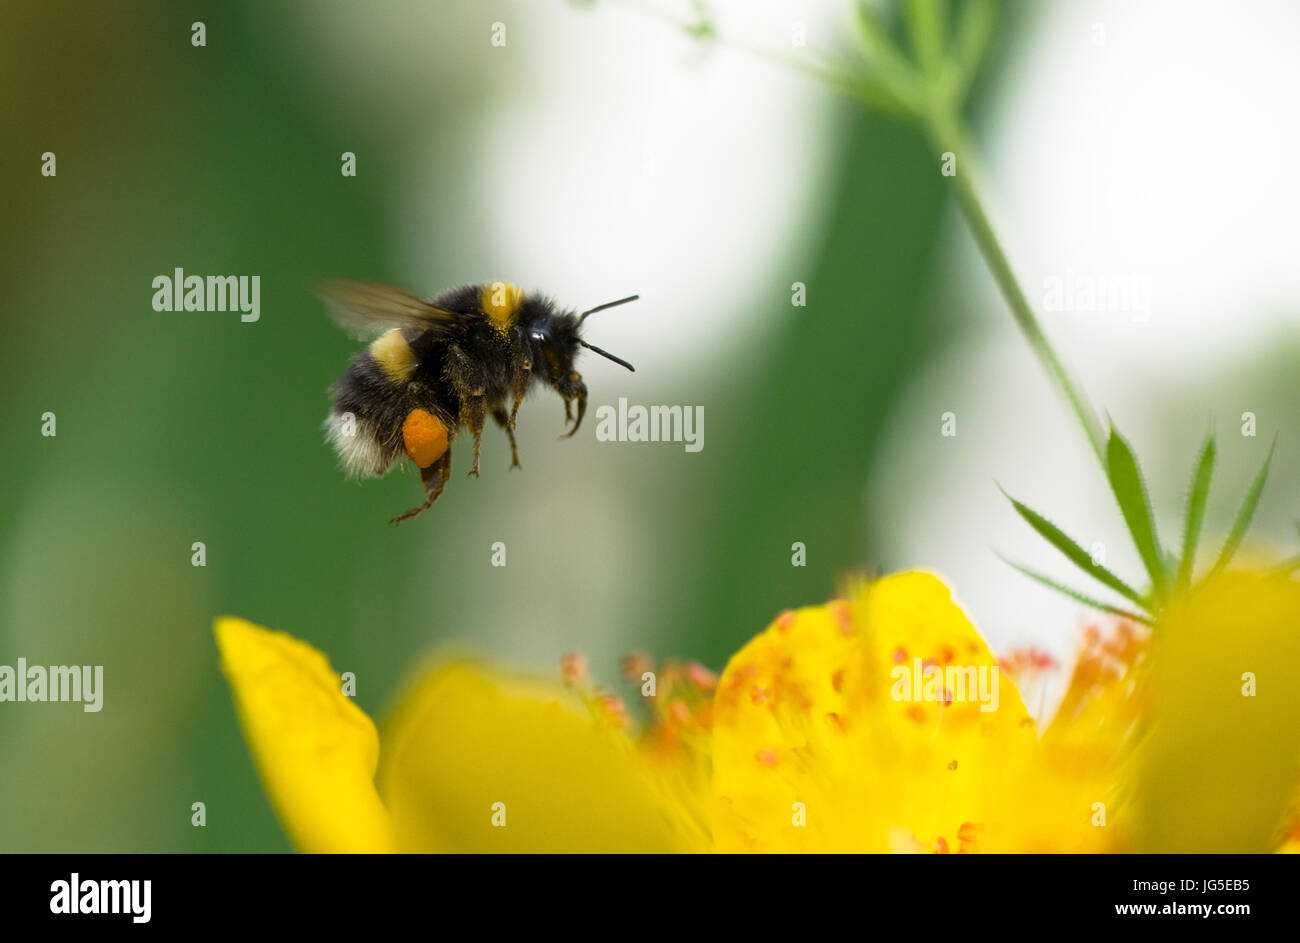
(464,751)
(316,751)
(809,718)
(1220,759)
(820,735)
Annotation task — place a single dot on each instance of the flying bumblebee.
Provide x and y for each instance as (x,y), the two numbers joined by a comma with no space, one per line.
(441,365)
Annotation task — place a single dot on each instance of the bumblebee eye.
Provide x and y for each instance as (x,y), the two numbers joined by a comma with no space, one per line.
(546,347)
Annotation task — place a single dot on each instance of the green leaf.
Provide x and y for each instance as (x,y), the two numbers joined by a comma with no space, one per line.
(876,42)
(1196,512)
(1246,512)
(883,97)
(974,28)
(926,27)
(1131,493)
(1077,596)
(1074,553)
(881,50)
(894,86)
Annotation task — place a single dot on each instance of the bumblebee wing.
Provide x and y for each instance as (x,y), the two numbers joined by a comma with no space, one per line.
(365,309)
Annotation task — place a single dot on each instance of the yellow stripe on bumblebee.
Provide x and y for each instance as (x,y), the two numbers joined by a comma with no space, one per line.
(501,302)
(394,355)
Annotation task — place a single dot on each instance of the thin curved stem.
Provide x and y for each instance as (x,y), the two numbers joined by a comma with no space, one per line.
(916,96)
(948,135)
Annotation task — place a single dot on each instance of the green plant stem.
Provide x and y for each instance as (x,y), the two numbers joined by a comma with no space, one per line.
(925,98)
(948,135)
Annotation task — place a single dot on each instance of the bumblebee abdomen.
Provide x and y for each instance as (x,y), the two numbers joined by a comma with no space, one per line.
(371,400)
(393,355)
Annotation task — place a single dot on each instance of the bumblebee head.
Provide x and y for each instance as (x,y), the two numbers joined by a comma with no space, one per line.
(555,342)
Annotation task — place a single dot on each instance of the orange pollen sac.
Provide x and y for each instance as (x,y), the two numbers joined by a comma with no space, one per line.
(425,437)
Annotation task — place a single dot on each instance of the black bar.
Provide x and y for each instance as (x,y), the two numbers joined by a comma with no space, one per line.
(943,893)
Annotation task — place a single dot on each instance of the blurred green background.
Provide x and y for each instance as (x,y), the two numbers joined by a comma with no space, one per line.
(180,427)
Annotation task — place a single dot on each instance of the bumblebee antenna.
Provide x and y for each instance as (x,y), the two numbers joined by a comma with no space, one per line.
(609,304)
(604,353)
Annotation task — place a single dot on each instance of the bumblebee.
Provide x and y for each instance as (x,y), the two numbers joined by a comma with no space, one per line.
(442,365)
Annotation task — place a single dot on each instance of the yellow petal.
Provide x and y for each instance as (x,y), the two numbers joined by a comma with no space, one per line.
(479,762)
(817,748)
(1219,758)
(316,751)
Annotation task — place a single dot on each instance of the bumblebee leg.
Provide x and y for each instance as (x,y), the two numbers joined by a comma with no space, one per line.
(522,377)
(434,478)
(467,378)
(472,414)
(503,420)
(521,387)
(580,394)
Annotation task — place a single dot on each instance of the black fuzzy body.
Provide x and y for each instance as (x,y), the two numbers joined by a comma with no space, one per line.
(464,369)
